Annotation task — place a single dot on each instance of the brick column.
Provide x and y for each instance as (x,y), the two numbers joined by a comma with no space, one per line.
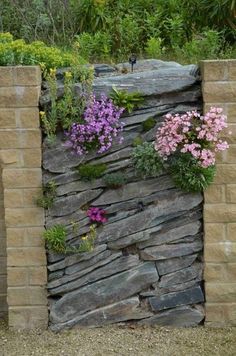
(20,154)
(219,89)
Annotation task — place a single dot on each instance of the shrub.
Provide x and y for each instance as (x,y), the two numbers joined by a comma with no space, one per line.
(89,172)
(148,124)
(18,52)
(100,126)
(114,180)
(146,161)
(49,193)
(56,238)
(128,101)
(188,175)
(97,46)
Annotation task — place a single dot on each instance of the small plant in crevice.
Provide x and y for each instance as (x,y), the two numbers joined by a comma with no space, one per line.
(55,238)
(114,180)
(123,99)
(89,172)
(100,125)
(88,240)
(46,200)
(137,141)
(97,215)
(148,124)
(188,175)
(146,161)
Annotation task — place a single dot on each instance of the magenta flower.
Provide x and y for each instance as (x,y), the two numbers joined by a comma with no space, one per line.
(101,124)
(97,215)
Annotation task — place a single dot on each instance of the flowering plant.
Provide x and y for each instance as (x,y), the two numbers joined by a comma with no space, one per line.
(100,125)
(97,215)
(194,134)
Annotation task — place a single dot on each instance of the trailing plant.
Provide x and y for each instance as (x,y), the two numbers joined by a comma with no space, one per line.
(97,215)
(128,101)
(148,124)
(88,172)
(114,180)
(188,144)
(188,175)
(49,193)
(146,161)
(100,125)
(56,238)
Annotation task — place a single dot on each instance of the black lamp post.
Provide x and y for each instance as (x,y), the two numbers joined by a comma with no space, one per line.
(132,61)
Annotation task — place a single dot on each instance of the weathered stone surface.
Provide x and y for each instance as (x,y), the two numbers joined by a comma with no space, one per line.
(79,186)
(174,264)
(185,316)
(134,190)
(103,69)
(149,83)
(76,258)
(106,291)
(190,296)
(114,264)
(67,205)
(151,216)
(172,288)
(169,251)
(177,233)
(78,218)
(147,64)
(181,276)
(128,309)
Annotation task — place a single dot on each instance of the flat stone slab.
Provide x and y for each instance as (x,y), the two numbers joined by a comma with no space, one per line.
(104,292)
(190,296)
(128,309)
(185,316)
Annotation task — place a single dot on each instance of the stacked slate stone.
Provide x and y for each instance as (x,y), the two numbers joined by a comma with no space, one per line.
(147,262)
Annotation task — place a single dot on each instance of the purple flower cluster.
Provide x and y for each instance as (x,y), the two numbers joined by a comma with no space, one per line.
(97,215)
(101,124)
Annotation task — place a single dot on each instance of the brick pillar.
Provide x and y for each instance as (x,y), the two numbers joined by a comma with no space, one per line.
(219,89)
(20,154)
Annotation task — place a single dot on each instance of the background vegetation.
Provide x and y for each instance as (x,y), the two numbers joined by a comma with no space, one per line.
(185,30)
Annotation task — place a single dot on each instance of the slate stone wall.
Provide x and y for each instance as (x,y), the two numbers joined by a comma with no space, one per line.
(147,263)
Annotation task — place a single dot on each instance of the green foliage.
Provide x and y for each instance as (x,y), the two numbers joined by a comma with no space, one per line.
(123,99)
(88,172)
(137,141)
(18,52)
(148,124)
(94,47)
(154,47)
(46,200)
(188,175)
(146,161)
(56,238)
(114,180)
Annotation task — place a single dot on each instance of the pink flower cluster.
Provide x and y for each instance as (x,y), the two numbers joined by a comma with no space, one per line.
(97,215)
(100,125)
(193,133)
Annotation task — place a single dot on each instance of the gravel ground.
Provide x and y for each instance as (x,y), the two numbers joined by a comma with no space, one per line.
(120,340)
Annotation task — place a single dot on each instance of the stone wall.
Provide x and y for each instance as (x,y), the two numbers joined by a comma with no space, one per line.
(219,89)
(20,153)
(147,262)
